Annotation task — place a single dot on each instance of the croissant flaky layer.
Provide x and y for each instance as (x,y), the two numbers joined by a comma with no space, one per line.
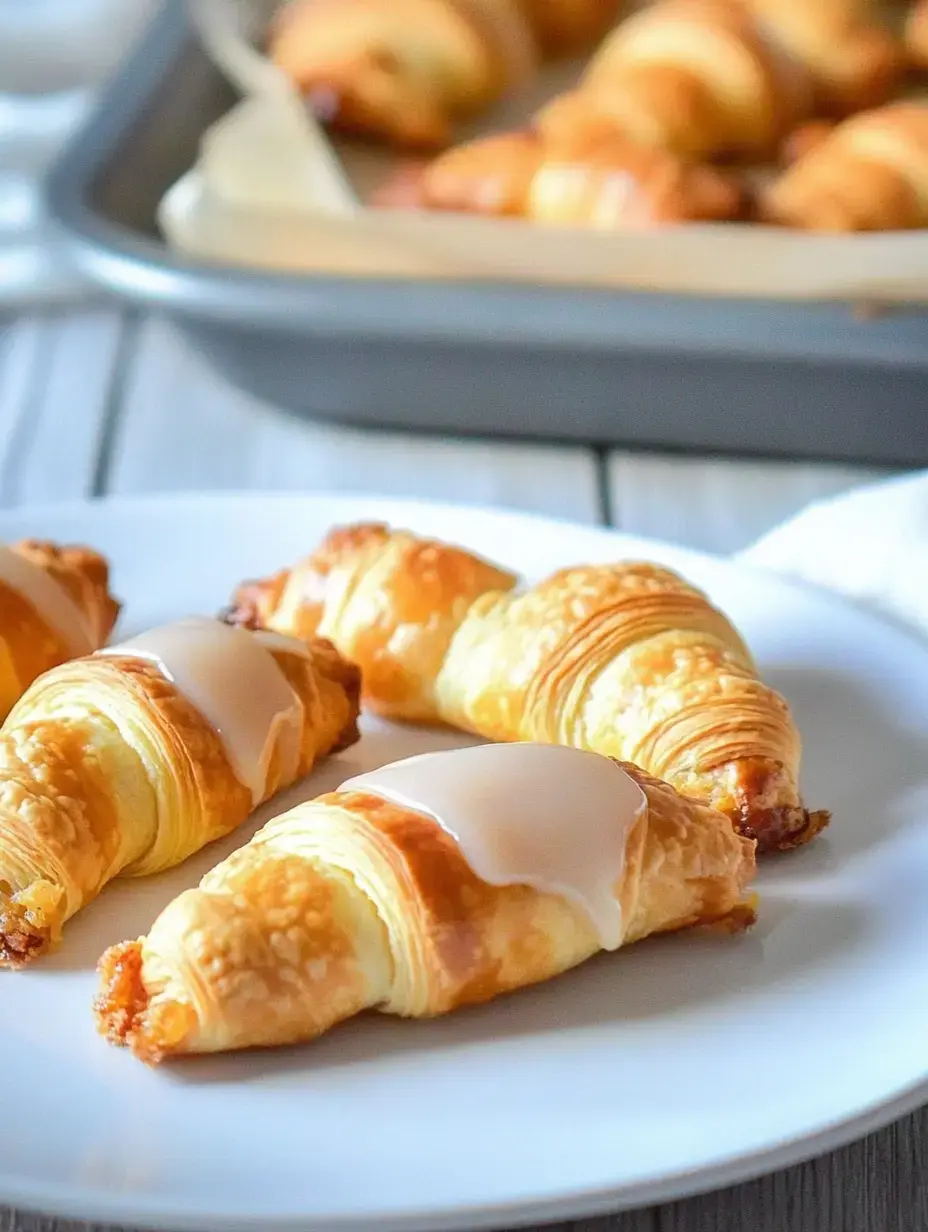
(628,660)
(29,644)
(107,769)
(350,903)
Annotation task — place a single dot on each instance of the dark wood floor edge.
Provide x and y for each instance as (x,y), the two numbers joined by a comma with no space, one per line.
(603,486)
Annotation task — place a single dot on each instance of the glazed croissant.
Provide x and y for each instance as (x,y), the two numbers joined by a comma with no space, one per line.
(627,660)
(353,902)
(591,179)
(107,768)
(869,174)
(54,605)
(408,71)
(854,60)
(700,78)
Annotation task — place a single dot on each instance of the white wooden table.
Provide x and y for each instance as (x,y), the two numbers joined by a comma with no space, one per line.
(99,401)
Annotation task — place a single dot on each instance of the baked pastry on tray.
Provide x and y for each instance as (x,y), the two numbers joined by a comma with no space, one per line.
(870,173)
(700,78)
(55,604)
(435,883)
(593,178)
(408,71)
(854,60)
(129,761)
(627,660)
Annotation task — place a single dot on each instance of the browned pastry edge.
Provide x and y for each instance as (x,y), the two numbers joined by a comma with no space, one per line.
(122,1006)
(348,675)
(123,1000)
(24,931)
(775,827)
(254,599)
(73,566)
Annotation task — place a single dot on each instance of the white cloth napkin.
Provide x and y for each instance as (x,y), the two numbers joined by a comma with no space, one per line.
(870,544)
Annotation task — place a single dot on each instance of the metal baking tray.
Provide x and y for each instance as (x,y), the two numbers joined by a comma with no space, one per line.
(820,380)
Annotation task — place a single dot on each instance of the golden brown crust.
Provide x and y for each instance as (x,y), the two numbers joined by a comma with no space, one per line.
(349,903)
(700,78)
(587,176)
(107,769)
(870,174)
(492,175)
(84,573)
(855,62)
(628,660)
(28,646)
(399,648)
(404,72)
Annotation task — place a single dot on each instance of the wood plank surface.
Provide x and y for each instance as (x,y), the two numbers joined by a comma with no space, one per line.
(92,403)
(717,504)
(56,378)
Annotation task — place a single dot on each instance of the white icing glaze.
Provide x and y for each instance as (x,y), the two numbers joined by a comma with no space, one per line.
(50,600)
(542,815)
(233,679)
(281,641)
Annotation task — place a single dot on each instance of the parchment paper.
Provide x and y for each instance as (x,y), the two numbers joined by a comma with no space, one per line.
(270,190)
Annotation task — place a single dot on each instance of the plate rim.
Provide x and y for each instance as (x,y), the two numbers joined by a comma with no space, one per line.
(72,1201)
(579,1204)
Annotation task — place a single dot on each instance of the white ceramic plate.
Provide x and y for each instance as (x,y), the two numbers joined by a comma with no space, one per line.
(678,1065)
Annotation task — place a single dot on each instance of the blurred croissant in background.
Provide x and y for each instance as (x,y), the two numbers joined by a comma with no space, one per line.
(699,78)
(673,115)
(869,174)
(854,59)
(592,179)
(407,71)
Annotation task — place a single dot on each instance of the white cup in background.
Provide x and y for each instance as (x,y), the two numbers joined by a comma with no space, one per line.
(53,53)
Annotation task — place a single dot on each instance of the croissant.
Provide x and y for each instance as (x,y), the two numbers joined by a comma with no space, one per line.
(854,60)
(594,179)
(566,27)
(54,604)
(408,71)
(358,901)
(627,660)
(916,34)
(804,139)
(870,174)
(697,77)
(127,762)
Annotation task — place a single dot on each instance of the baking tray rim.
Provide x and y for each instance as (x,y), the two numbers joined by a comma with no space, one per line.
(465,312)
